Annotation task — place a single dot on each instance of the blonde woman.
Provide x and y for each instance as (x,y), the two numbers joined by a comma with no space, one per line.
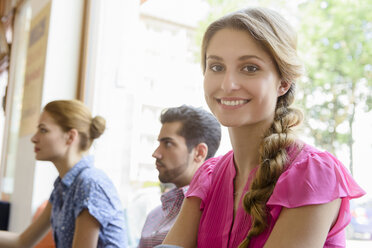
(84,209)
(271,190)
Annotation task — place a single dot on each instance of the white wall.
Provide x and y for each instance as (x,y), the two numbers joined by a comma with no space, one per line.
(33,181)
(61,75)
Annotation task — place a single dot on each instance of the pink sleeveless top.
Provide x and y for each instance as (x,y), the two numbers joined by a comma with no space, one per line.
(312,177)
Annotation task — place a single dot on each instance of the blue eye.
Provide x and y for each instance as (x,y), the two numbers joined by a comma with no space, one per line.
(43,130)
(216,68)
(250,68)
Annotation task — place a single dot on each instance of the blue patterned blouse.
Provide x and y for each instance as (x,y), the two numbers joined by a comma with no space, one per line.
(85,187)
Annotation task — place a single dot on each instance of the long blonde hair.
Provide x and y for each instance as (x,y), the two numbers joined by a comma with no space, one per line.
(277,37)
(70,114)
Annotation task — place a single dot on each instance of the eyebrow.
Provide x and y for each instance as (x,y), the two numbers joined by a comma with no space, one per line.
(41,125)
(165,139)
(242,58)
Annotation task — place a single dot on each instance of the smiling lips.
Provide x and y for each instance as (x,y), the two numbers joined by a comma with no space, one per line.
(232,102)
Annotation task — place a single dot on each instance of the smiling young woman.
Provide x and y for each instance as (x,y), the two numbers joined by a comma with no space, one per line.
(241,82)
(272,189)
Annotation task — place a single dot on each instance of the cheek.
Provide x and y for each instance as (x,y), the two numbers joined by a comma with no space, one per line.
(206,86)
(209,88)
(54,142)
(266,89)
(271,99)
(209,100)
(181,156)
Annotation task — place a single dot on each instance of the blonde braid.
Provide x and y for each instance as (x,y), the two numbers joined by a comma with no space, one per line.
(279,40)
(273,159)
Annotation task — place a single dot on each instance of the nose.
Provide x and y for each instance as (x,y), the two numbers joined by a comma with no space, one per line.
(156,154)
(230,81)
(34,139)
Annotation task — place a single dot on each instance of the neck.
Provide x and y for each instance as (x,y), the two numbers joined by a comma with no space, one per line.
(186,177)
(183,180)
(63,165)
(245,142)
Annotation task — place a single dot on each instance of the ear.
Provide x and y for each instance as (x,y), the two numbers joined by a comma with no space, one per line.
(283,87)
(201,152)
(72,136)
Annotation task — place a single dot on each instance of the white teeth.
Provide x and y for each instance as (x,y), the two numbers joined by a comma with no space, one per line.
(233,103)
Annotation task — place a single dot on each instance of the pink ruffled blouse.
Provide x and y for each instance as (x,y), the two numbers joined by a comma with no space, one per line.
(312,177)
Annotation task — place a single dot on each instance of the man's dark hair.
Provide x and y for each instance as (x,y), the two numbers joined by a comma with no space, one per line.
(198,126)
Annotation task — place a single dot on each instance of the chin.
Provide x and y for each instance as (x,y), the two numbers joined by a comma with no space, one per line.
(242,121)
(231,122)
(40,158)
(163,179)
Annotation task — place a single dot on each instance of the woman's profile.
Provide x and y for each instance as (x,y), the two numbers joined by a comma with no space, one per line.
(84,209)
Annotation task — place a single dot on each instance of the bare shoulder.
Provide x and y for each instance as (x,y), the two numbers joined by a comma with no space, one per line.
(184,232)
(306,226)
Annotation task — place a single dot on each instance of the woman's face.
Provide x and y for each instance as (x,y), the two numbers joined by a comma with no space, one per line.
(51,142)
(241,82)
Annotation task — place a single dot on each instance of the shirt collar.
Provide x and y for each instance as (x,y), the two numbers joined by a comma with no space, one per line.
(169,198)
(70,176)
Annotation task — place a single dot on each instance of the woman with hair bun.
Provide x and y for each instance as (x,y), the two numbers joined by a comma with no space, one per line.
(271,190)
(84,209)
